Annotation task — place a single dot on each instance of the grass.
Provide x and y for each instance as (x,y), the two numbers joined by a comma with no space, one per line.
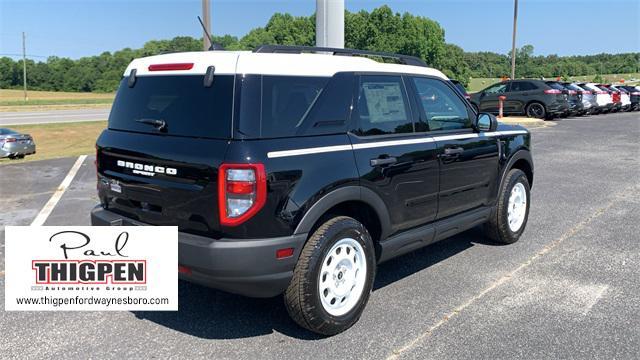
(60,140)
(13,100)
(478,84)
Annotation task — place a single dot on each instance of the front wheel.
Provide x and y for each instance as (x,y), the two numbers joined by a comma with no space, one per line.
(333,277)
(511,212)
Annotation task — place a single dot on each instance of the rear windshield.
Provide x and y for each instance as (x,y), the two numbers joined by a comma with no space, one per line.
(573,87)
(7,132)
(556,85)
(183,103)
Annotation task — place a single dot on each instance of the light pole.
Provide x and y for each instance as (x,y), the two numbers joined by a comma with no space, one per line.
(330,23)
(206,41)
(513,42)
(24,65)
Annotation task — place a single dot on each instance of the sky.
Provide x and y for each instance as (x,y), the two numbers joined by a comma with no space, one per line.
(76,28)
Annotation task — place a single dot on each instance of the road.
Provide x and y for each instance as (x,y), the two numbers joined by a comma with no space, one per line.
(570,288)
(53,116)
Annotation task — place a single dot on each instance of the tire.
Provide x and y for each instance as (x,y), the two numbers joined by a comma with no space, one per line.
(499,228)
(536,110)
(316,309)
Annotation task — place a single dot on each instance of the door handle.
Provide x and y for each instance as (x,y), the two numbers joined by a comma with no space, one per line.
(453,151)
(383,161)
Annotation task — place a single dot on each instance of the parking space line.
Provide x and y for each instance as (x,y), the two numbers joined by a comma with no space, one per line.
(57,195)
(396,353)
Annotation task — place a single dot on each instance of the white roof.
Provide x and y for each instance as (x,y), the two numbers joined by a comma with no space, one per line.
(245,62)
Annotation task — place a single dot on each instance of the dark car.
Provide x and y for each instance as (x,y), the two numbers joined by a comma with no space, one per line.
(297,174)
(634,96)
(533,98)
(458,85)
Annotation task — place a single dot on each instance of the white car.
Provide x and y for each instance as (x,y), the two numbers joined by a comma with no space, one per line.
(603,98)
(625,98)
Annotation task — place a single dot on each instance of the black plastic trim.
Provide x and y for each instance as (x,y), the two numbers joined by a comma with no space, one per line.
(347,193)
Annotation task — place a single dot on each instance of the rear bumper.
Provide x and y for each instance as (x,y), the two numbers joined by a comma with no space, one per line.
(557,108)
(17,149)
(246,267)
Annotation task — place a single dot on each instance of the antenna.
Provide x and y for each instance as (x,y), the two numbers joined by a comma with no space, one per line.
(212,47)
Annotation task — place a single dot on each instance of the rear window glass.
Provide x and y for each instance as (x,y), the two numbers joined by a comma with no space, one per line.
(556,85)
(183,103)
(7,132)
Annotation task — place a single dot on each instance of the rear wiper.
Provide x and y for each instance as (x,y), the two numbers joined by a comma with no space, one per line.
(158,124)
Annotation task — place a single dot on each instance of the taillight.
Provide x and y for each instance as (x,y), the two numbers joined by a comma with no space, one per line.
(8,140)
(572,92)
(242,191)
(635,93)
(585,92)
(552,91)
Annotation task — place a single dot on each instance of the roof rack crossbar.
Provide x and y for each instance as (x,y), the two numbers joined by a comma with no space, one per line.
(403,59)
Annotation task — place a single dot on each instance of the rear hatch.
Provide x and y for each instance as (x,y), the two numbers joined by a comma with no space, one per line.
(561,93)
(158,160)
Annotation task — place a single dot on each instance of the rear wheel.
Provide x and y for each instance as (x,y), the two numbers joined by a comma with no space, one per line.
(333,277)
(536,110)
(510,215)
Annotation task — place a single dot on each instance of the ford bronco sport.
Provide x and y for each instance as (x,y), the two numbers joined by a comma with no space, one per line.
(295,170)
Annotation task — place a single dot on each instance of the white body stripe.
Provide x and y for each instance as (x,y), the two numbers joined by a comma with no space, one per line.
(315,150)
(370,145)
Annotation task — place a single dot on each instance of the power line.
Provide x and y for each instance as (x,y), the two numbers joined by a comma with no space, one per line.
(27,55)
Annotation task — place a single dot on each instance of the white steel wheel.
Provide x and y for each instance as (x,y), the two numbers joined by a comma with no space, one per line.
(342,277)
(517,207)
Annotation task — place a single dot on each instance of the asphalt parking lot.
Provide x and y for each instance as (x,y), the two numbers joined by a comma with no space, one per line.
(570,288)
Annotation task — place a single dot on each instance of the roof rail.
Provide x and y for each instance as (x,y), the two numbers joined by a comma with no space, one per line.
(403,59)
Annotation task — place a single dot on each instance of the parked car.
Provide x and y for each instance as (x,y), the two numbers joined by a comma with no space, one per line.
(533,98)
(589,100)
(458,85)
(575,105)
(625,98)
(15,145)
(615,97)
(603,97)
(581,96)
(634,96)
(316,169)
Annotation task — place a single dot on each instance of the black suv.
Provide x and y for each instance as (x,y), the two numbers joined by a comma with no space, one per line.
(533,98)
(289,171)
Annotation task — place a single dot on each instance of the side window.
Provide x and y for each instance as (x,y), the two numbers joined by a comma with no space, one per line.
(382,106)
(527,86)
(285,100)
(443,109)
(496,89)
(517,86)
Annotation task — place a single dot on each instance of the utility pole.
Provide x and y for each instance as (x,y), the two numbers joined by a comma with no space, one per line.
(24,66)
(206,19)
(513,43)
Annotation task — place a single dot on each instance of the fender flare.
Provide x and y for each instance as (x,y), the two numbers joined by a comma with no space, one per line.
(346,193)
(518,155)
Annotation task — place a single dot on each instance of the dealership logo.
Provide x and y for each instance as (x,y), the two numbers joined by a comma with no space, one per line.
(147,170)
(118,269)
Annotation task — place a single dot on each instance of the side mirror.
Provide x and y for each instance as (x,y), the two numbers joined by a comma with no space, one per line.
(485,122)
